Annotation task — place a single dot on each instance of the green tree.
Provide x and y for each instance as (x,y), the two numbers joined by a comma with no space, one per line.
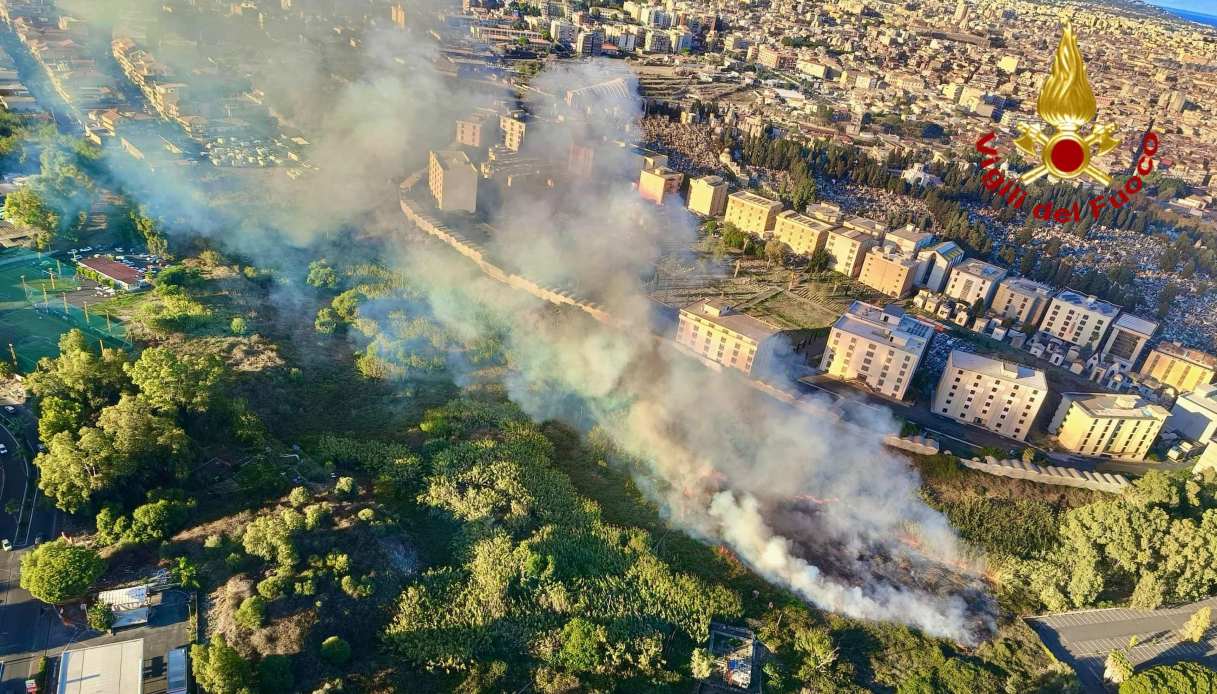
(321,275)
(819,260)
(582,647)
(1197,625)
(1117,668)
(26,207)
(251,612)
(335,650)
(238,326)
(327,321)
(219,669)
(275,674)
(99,616)
(169,379)
(59,571)
(701,664)
(1180,678)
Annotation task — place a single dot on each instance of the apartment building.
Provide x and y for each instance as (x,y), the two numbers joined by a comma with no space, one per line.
(1179,367)
(889,271)
(974,280)
(1021,300)
(751,212)
(1000,396)
(880,347)
(939,261)
(908,239)
(1078,319)
(826,212)
(848,249)
(708,196)
(1103,425)
(1129,335)
(803,234)
(1194,416)
(658,183)
(453,181)
(876,230)
(513,126)
(714,331)
(472,131)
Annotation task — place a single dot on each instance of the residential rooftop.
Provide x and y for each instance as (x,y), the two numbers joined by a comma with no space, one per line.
(890,324)
(723,314)
(1007,371)
(1090,303)
(981,269)
(1118,405)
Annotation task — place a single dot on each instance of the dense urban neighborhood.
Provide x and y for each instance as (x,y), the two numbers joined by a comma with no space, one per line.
(643,346)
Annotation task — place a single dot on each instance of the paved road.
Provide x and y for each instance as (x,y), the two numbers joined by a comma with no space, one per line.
(1084,639)
(26,624)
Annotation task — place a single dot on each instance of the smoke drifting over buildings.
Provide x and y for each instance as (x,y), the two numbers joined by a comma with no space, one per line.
(724,462)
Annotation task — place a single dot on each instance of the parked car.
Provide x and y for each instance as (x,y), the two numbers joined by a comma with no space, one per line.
(3,449)
(6,545)
(10,409)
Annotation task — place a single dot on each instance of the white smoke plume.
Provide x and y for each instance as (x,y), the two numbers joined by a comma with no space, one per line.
(807,500)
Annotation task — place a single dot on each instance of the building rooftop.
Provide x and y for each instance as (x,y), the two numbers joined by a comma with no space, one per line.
(1089,303)
(113,269)
(754,199)
(891,325)
(115,668)
(980,268)
(722,313)
(825,211)
(948,250)
(710,180)
(997,368)
(1137,324)
(449,159)
(893,255)
(1195,356)
(870,226)
(1022,285)
(1118,405)
(852,234)
(910,233)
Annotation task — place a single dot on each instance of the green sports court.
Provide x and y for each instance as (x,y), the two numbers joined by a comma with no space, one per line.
(33,312)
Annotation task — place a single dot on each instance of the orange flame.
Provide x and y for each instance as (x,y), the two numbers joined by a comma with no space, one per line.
(1066,100)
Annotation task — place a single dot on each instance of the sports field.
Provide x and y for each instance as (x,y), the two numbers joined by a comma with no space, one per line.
(33,310)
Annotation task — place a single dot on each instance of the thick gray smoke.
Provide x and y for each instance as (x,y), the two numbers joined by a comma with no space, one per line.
(808,501)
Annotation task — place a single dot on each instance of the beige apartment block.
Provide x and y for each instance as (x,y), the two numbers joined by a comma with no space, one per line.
(713,330)
(453,181)
(1000,396)
(513,127)
(1122,427)
(888,271)
(974,280)
(826,212)
(876,230)
(1179,367)
(1078,319)
(848,249)
(473,132)
(879,347)
(908,239)
(658,183)
(751,212)
(1021,300)
(708,196)
(803,234)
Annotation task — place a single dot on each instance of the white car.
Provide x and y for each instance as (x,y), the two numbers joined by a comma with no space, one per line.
(10,409)
(3,449)
(6,545)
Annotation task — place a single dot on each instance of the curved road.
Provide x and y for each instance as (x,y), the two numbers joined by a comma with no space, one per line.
(27,626)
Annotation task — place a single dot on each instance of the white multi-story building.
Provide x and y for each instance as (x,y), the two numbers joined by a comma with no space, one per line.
(716,333)
(1078,319)
(1122,427)
(880,347)
(974,280)
(939,261)
(1000,396)
(1194,415)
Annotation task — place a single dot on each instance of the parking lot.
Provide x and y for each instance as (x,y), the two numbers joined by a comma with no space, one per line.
(1084,639)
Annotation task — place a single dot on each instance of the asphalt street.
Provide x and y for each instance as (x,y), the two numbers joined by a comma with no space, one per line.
(27,626)
(1084,639)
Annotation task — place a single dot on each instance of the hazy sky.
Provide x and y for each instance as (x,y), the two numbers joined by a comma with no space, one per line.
(1202,6)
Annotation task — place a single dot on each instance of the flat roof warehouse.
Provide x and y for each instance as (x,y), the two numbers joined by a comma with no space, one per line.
(115,668)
